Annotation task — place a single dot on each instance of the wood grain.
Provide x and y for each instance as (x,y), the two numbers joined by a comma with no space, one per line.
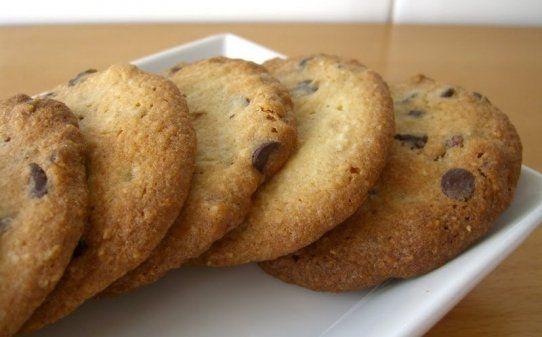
(503,63)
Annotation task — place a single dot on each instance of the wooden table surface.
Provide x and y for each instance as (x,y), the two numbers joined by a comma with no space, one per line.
(503,63)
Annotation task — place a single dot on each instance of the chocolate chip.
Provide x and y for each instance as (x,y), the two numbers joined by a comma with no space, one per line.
(354,170)
(448,93)
(416,113)
(260,156)
(246,100)
(304,61)
(457,184)
(416,142)
(38,181)
(306,87)
(79,249)
(455,141)
(4,224)
(79,77)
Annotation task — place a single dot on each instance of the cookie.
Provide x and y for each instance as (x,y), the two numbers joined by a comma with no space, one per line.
(345,127)
(140,163)
(454,167)
(246,130)
(43,202)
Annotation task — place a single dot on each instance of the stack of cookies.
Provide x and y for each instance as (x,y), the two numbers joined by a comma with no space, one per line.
(312,166)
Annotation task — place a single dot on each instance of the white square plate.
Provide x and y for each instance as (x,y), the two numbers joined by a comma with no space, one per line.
(244,301)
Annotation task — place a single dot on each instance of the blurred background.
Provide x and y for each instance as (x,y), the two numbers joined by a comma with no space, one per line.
(483,12)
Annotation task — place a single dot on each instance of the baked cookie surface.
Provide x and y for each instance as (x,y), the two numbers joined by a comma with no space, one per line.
(140,163)
(43,202)
(453,169)
(345,127)
(246,130)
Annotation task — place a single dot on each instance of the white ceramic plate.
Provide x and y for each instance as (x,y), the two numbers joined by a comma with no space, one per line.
(244,301)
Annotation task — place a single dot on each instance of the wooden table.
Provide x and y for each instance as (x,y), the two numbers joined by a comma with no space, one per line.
(503,63)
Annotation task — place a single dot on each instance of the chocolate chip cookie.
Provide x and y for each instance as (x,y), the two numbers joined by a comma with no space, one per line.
(141,160)
(454,167)
(246,130)
(43,202)
(345,129)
